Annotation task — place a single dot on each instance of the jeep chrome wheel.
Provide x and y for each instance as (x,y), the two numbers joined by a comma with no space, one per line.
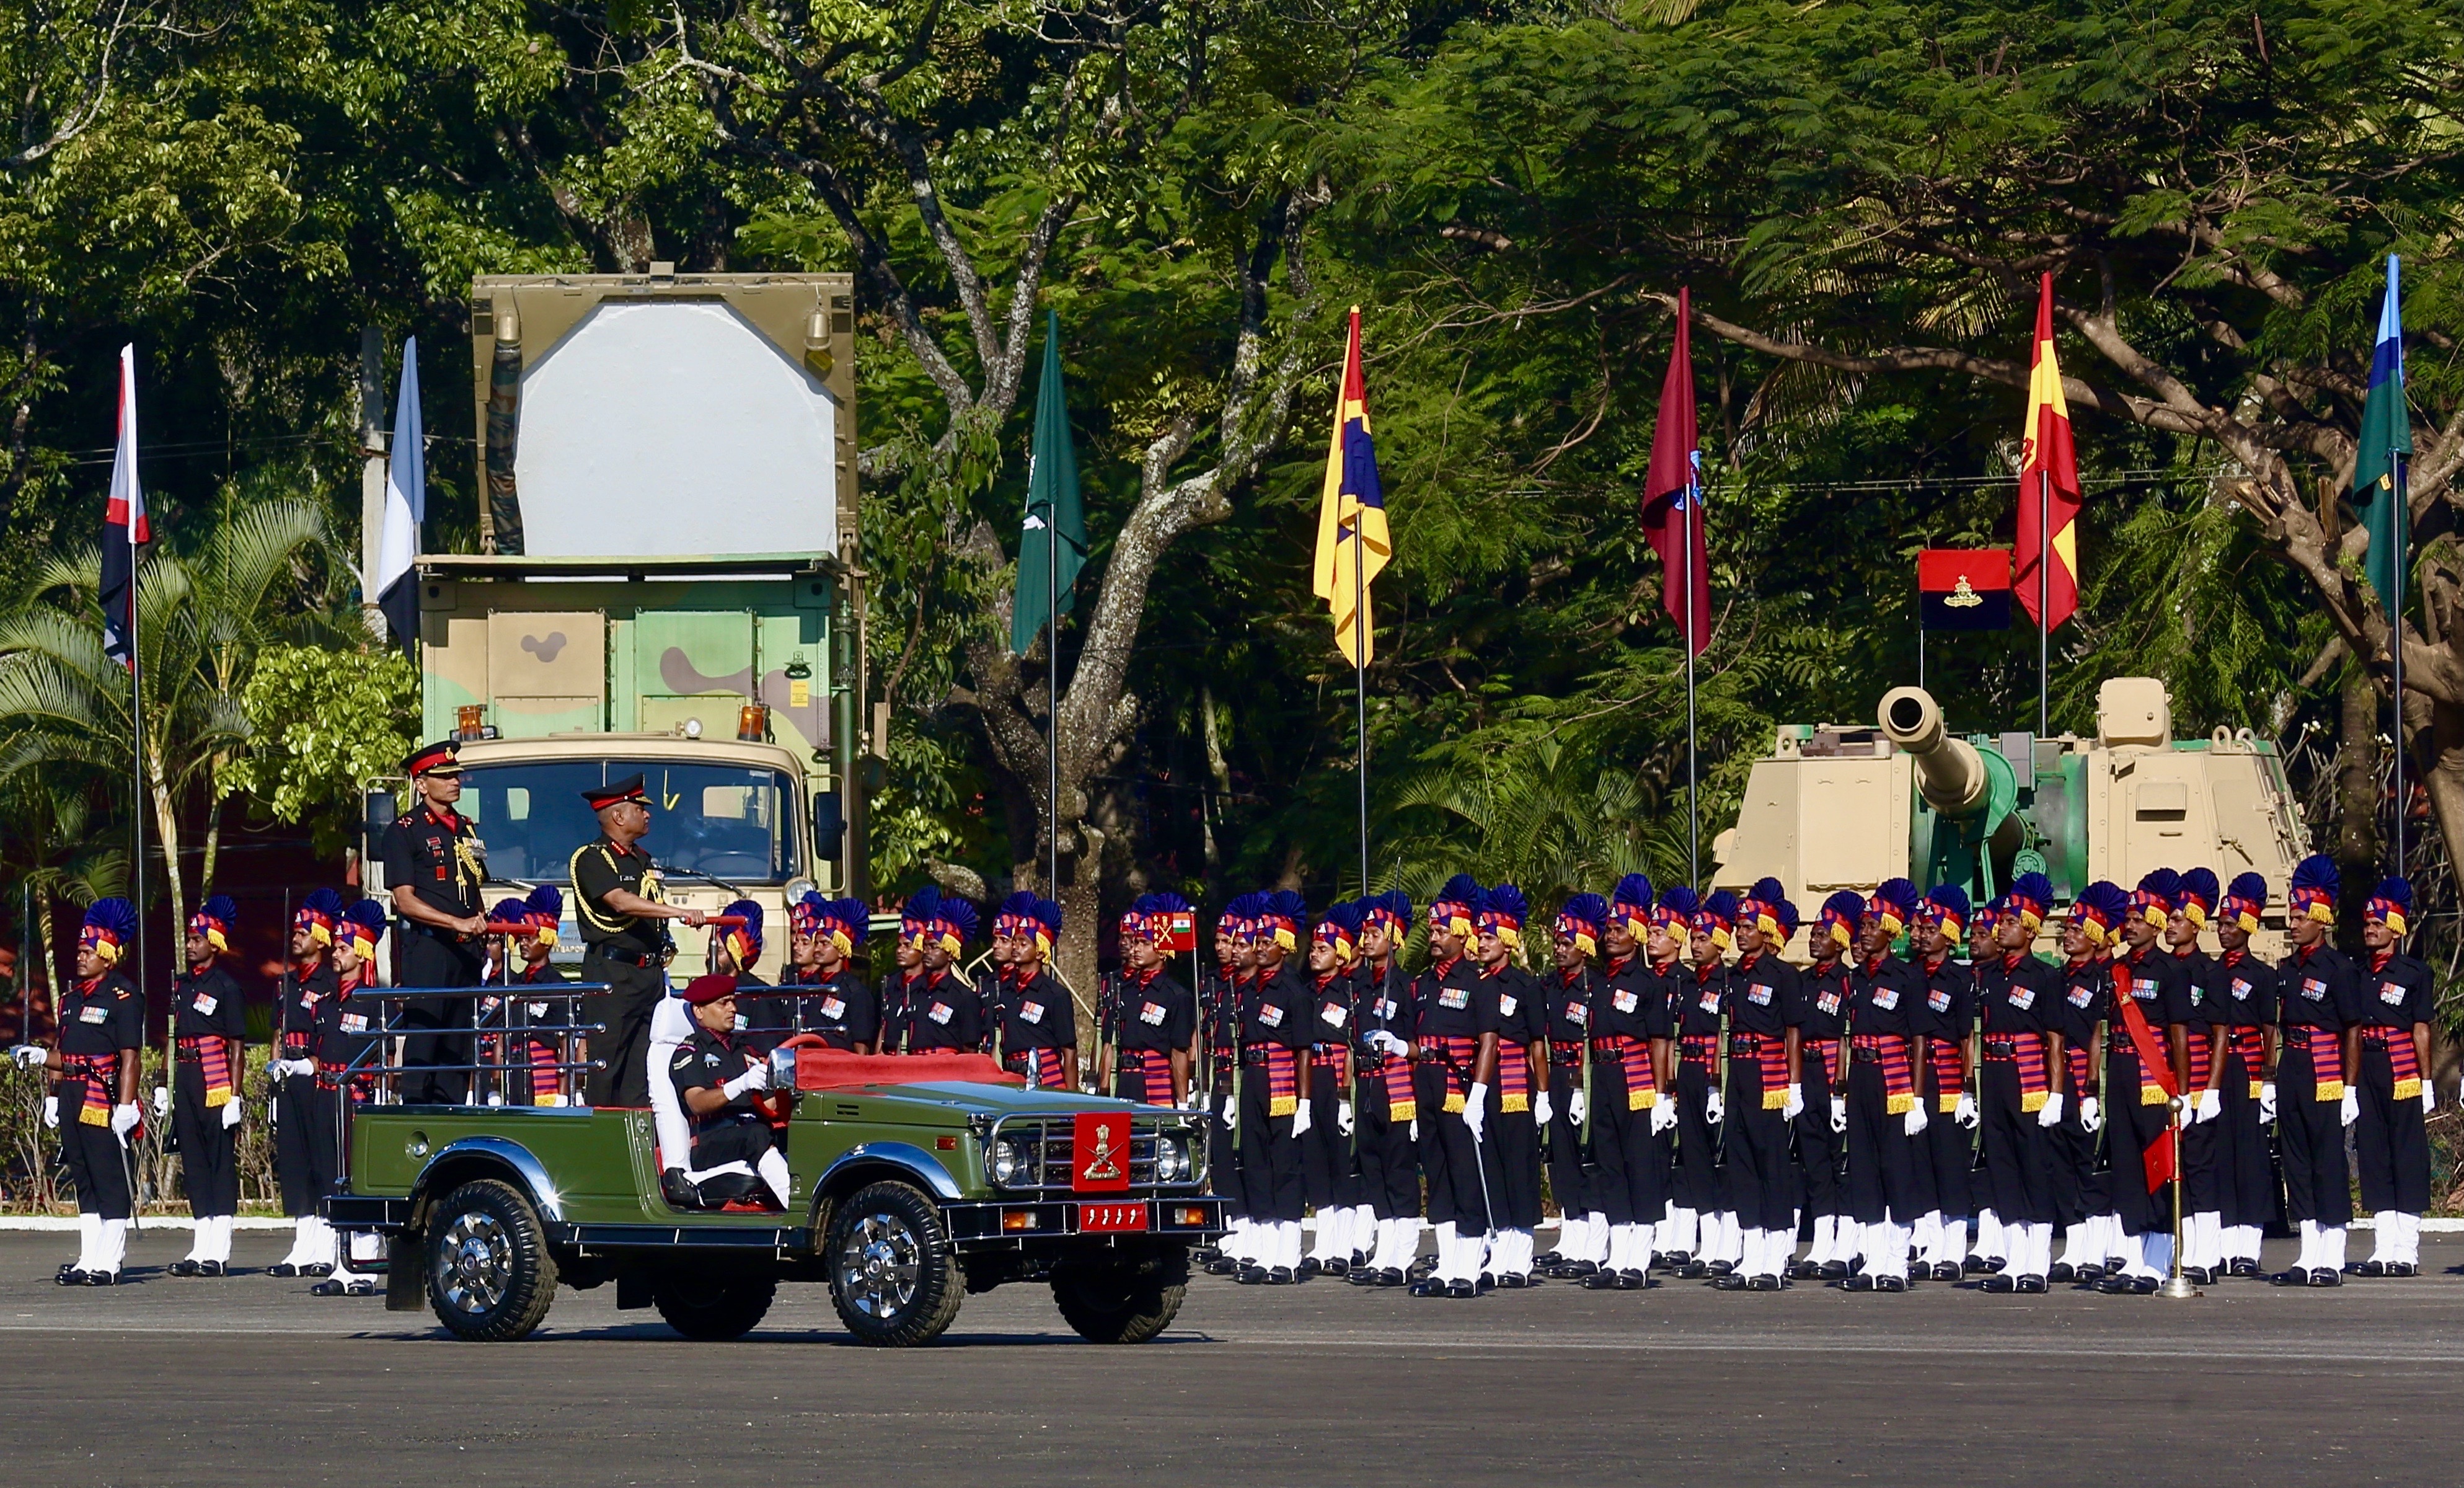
(892,1278)
(490,1273)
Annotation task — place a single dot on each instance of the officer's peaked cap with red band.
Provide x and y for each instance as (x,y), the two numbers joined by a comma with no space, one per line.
(435,759)
(616,793)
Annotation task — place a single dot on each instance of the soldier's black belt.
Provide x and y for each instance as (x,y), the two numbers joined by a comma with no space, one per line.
(630,958)
(2002,1048)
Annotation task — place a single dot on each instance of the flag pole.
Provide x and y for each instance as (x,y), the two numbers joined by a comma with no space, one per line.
(137,741)
(2044,598)
(1693,808)
(2395,643)
(1360,683)
(1053,697)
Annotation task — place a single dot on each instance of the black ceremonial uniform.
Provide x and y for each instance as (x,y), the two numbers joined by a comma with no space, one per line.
(1152,1015)
(1328,1176)
(1508,1002)
(2391,1146)
(349,1029)
(2082,1001)
(2202,1142)
(1448,1037)
(895,1014)
(1887,1018)
(737,1132)
(2015,995)
(1036,1021)
(1273,1033)
(102,1024)
(1630,1015)
(443,861)
(1228,997)
(2139,1111)
(1700,994)
(1385,1107)
(629,954)
(305,1007)
(944,1014)
(1824,1010)
(1567,1004)
(2242,997)
(1947,1150)
(2319,998)
(207,1027)
(1765,1003)
(840,1009)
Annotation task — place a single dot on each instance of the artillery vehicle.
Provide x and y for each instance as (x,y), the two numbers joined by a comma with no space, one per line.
(1845,807)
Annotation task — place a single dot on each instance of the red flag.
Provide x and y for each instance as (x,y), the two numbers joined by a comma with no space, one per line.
(1672,494)
(2048,479)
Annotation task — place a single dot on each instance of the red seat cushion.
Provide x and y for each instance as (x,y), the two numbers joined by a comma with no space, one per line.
(836,1069)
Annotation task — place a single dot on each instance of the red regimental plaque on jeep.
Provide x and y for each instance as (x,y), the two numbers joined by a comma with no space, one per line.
(1099,1160)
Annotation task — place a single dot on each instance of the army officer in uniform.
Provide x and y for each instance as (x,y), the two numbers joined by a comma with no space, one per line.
(435,864)
(615,893)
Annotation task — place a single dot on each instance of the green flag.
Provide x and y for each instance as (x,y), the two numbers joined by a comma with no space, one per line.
(2378,464)
(1052,547)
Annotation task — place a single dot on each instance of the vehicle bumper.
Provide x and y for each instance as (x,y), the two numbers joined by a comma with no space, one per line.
(997,1225)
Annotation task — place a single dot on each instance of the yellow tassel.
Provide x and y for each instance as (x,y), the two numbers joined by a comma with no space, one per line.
(1282,1106)
(2408,1090)
(1641,1099)
(94,1116)
(2033,1102)
(2331,1089)
(218,1097)
(1514,1102)
(1454,1103)
(1900,1105)
(2253,1088)
(1403,1111)
(1774,1099)
(2153,1094)
(1947,1106)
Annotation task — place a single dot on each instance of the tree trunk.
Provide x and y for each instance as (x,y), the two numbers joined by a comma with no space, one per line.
(2356,847)
(51,964)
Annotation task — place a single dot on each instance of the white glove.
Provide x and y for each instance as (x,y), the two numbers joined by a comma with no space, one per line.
(1301,1118)
(231,1112)
(1839,1114)
(2091,1115)
(31,1057)
(123,1119)
(2050,1113)
(1966,1114)
(1916,1120)
(161,1101)
(2211,1104)
(1543,1109)
(1577,1108)
(757,1078)
(1476,1109)
(1796,1106)
(52,1111)
(1382,1041)
(1714,1109)
(2267,1102)
(1664,1116)
(2352,1107)
(1343,1117)
(1224,1113)
(2429,1096)
(1416,1128)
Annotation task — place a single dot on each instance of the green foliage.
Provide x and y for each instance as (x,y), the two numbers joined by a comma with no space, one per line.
(323,724)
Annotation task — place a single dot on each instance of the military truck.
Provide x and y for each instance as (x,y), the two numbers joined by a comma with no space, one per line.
(910,1190)
(666,583)
(1845,807)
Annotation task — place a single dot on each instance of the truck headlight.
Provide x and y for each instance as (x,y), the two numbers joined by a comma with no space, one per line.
(1172,1157)
(1013,1162)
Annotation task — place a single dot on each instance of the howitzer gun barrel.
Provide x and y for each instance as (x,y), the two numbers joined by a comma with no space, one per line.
(1950,775)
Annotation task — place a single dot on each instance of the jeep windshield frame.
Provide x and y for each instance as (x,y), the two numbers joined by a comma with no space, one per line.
(735,823)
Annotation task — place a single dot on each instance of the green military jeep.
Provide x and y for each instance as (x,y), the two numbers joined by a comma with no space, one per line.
(904,1198)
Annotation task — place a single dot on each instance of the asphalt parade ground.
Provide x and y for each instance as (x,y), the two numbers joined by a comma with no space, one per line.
(251,1380)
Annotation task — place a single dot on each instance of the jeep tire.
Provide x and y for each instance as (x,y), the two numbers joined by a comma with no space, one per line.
(491,1276)
(893,1278)
(712,1306)
(1123,1296)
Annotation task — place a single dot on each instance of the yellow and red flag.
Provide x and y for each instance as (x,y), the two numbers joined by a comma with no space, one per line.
(1352,542)
(2048,484)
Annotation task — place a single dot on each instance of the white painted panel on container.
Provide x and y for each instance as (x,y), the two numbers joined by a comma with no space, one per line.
(674,428)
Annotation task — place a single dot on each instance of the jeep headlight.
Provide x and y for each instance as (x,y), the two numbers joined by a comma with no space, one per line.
(1172,1157)
(1013,1161)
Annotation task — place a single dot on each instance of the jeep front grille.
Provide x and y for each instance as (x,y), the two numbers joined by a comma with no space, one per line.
(1050,1144)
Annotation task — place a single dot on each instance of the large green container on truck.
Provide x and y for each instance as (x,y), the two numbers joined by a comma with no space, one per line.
(666,583)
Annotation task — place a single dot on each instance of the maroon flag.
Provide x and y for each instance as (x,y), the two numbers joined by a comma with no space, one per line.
(1672,494)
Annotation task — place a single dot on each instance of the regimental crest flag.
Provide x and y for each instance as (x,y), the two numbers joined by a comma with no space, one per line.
(1963,588)
(124,528)
(1353,543)
(2049,483)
